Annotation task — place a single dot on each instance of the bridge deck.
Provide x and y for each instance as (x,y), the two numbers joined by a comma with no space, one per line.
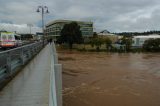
(31,86)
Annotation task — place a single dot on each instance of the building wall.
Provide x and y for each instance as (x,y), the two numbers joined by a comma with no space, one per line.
(113,38)
(138,41)
(54,28)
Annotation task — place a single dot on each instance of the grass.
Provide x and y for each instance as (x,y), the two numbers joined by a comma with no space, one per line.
(89,48)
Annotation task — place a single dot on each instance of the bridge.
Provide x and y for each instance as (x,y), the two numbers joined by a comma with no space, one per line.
(33,75)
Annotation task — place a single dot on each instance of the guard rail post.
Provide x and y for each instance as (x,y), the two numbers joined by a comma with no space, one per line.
(9,68)
(29,53)
(22,56)
(58,77)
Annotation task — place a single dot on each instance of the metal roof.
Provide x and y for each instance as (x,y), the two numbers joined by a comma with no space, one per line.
(149,36)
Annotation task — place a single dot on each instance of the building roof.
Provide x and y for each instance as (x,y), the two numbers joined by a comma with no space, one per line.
(149,36)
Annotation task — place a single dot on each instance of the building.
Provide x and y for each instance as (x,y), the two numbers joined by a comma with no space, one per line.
(106,34)
(54,28)
(138,41)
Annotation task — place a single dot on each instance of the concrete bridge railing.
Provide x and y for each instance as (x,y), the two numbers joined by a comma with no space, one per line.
(55,80)
(10,60)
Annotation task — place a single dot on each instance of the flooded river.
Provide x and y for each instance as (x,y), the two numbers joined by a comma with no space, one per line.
(101,79)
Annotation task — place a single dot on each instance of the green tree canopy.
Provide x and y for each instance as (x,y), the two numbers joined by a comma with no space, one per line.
(108,43)
(71,34)
(95,35)
(152,45)
(127,41)
(97,42)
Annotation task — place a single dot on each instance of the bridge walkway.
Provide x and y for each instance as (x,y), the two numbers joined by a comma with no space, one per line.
(31,86)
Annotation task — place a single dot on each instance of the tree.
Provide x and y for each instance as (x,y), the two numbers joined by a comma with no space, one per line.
(127,41)
(108,43)
(71,34)
(152,45)
(95,35)
(97,42)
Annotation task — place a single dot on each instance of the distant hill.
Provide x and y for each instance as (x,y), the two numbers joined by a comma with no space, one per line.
(138,33)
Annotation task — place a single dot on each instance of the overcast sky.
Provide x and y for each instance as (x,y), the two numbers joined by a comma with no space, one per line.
(113,15)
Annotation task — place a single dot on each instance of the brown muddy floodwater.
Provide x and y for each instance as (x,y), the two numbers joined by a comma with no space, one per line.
(101,79)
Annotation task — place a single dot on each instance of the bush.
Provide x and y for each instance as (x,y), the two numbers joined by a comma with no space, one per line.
(97,42)
(152,45)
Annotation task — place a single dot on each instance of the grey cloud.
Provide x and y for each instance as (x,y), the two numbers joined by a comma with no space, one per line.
(114,15)
(20,28)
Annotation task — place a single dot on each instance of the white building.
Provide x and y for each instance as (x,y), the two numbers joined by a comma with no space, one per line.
(138,41)
(54,27)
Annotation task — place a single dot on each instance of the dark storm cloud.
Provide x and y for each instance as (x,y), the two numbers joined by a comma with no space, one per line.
(114,15)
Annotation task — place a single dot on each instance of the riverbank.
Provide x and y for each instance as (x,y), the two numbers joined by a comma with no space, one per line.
(110,79)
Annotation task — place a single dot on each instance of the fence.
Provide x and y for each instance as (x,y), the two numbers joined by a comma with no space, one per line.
(10,60)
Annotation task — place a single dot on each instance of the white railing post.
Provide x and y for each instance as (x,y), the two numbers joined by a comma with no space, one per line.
(55,58)
(58,79)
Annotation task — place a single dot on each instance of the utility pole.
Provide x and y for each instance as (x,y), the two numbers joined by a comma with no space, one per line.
(30,25)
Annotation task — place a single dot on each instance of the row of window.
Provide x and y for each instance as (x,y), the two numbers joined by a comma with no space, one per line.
(57,26)
(58,33)
(58,29)
(9,37)
(87,29)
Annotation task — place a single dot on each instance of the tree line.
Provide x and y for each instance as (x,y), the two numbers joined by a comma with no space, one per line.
(138,33)
(71,34)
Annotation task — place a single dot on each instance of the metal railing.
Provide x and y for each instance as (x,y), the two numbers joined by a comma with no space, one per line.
(55,95)
(10,60)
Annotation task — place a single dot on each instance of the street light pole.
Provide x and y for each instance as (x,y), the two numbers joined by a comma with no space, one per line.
(30,25)
(44,9)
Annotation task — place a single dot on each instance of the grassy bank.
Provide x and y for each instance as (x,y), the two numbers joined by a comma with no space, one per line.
(102,48)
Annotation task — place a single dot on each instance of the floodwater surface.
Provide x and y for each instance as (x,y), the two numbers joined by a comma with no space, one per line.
(103,79)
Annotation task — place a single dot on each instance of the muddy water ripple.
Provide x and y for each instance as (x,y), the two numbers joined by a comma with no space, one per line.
(101,79)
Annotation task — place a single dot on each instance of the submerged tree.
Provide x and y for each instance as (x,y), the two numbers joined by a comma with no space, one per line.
(71,34)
